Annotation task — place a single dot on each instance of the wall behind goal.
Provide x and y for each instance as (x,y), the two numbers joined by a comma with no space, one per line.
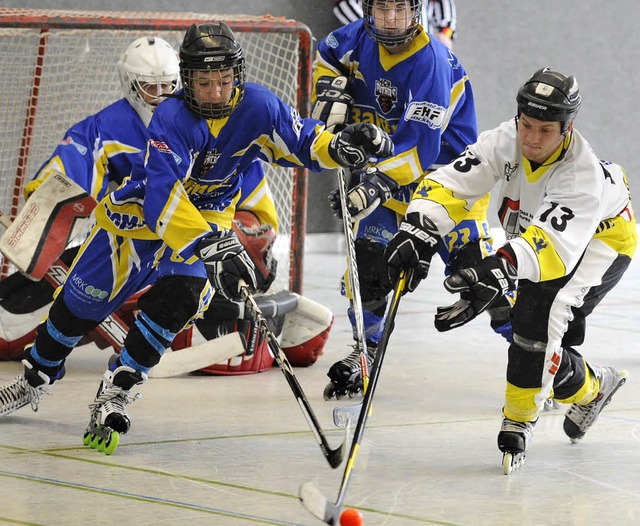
(500,43)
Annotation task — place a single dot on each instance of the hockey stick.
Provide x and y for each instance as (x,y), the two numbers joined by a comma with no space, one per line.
(333,456)
(310,495)
(354,278)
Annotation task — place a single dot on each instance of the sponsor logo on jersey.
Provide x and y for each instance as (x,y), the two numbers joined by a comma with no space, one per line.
(89,290)
(386,95)
(163,147)
(427,113)
(124,221)
(69,140)
(332,41)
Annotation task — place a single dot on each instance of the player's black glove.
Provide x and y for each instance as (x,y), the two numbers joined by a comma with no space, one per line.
(333,102)
(411,249)
(480,287)
(375,189)
(353,146)
(227,262)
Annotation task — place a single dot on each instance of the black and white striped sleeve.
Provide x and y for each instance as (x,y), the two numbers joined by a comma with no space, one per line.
(441,15)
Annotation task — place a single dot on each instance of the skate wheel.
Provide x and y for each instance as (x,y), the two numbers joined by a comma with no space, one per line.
(507,460)
(93,443)
(111,444)
(86,438)
(329,391)
(101,444)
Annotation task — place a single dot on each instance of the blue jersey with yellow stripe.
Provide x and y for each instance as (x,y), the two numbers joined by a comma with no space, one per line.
(97,151)
(193,168)
(422,97)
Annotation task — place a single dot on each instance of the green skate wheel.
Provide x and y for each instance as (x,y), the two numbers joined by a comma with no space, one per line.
(111,444)
(86,438)
(93,443)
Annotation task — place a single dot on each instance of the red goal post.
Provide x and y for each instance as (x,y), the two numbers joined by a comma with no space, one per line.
(60,66)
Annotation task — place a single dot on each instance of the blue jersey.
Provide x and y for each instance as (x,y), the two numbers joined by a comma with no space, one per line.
(421,97)
(97,151)
(193,170)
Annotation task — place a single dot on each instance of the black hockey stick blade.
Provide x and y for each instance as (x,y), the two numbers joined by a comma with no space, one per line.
(334,456)
(310,496)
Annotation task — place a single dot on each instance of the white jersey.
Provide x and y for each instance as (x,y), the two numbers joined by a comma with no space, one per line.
(550,213)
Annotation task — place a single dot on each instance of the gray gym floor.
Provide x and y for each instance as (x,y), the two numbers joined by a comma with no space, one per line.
(234,450)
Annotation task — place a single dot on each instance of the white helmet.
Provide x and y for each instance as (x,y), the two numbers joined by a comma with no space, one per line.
(149,68)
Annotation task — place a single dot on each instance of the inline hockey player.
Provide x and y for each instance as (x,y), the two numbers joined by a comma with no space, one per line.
(168,226)
(386,69)
(571,234)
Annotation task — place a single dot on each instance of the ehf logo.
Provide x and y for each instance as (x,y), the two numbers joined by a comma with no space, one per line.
(427,113)
(386,94)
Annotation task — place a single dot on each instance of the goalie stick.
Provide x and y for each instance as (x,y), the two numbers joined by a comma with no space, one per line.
(312,498)
(333,456)
(354,278)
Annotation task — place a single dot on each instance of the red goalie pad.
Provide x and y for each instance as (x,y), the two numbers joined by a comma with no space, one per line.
(259,361)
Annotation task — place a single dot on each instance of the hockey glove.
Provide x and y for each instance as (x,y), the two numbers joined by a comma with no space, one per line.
(375,189)
(480,287)
(353,146)
(411,249)
(333,102)
(227,262)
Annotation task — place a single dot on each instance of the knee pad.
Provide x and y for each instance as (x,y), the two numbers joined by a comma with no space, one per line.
(372,270)
(173,301)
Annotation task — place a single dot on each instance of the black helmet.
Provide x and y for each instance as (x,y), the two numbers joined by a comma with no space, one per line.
(550,96)
(211,47)
(388,38)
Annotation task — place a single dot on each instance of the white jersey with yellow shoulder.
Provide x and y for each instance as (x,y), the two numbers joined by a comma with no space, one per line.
(550,213)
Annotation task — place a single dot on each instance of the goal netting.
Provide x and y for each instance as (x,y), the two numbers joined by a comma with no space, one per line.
(58,67)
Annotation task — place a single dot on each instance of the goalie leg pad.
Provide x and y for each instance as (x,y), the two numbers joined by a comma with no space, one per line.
(305,332)
(248,363)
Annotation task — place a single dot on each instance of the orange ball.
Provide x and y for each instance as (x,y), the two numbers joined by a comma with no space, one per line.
(351,517)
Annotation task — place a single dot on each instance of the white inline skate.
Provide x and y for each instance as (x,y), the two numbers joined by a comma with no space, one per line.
(579,418)
(109,416)
(513,439)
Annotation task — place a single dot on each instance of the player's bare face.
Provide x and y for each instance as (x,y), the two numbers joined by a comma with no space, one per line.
(153,93)
(391,19)
(538,139)
(213,89)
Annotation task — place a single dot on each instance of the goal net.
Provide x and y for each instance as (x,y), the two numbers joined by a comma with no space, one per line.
(59,67)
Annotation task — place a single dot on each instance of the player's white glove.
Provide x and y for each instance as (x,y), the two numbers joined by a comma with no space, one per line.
(227,262)
(480,287)
(333,102)
(353,146)
(411,249)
